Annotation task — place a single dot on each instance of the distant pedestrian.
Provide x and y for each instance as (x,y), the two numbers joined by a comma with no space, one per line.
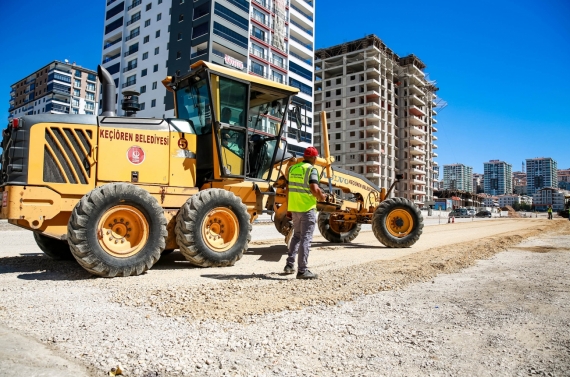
(549,212)
(302,194)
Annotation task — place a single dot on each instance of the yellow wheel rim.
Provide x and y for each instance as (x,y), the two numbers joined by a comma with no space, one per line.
(123,231)
(220,229)
(399,223)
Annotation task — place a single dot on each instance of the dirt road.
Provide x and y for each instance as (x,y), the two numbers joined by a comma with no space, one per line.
(177,319)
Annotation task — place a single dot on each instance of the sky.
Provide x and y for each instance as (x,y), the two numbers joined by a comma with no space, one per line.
(501,66)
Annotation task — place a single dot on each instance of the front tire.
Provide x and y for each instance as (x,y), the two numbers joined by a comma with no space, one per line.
(397,223)
(52,247)
(334,231)
(213,228)
(117,229)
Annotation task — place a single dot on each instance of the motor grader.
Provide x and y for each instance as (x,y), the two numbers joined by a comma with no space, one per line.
(116,192)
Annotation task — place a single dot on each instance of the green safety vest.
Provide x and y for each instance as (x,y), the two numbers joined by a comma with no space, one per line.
(549,209)
(300,197)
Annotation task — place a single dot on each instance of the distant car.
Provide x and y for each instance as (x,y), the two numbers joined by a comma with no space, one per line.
(471,212)
(459,212)
(483,214)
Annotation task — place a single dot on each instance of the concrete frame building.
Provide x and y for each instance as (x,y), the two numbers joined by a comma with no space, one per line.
(56,88)
(458,177)
(563,176)
(541,173)
(380,110)
(498,177)
(519,182)
(146,41)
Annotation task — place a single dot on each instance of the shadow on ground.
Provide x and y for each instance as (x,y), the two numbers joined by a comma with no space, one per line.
(37,266)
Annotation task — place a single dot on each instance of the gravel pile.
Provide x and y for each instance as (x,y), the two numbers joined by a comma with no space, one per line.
(507,315)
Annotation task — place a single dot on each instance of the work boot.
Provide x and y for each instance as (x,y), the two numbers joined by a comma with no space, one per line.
(307,275)
(289,269)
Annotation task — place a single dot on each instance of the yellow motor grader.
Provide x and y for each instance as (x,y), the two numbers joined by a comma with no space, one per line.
(115,192)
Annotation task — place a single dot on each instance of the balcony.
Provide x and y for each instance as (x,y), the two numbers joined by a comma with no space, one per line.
(416,111)
(373,105)
(307,31)
(373,151)
(260,37)
(419,191)
(109,58)
(434,146)
(417,171)
(130,52)
(199,53)
(417,161)
(277,63)
(278,79)
(308,61)
(416,100)
(372,161)
(308,46)
(130,67)
(308,17)
(373,174)
(373,114)
(433,121)
(134,4)
(433,129)
(418,181)
(373,128)
(433,112)
(415,90)
(417,151)
(415,140)
(416,121)
(434,155)
(107,45)
(259,54)
(433,137)
(129,83)
(134,19)
(132,35)
(261,20)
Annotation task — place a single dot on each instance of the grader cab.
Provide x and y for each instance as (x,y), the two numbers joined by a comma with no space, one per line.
(116,192)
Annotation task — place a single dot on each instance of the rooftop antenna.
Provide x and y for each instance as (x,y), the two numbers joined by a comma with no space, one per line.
(65,60)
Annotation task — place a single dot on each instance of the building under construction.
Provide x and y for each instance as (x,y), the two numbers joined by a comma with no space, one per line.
(380,110)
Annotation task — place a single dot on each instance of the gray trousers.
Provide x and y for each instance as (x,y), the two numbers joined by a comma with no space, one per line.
(303,227)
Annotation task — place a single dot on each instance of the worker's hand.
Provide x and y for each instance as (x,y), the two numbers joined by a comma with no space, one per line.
(323,197)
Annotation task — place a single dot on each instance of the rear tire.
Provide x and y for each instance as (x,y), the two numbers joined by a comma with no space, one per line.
(213,228)
(52,247)
(334,233)
(117,229)
(397,223)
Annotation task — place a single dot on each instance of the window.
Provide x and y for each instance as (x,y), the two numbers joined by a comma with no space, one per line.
(90,86)
(338,125)
(75,111)
(328,94)
(155,68)
(178,55)
(337,147)
(258,33)
(337,136)
(75,102)
(327,104)
(90,96)
(89,106)
(148,6)
(328,83)
(230,35)
(352,145)
(143,89)
(157,34)
(352,134)
(338,81)
(159,2)
(153,103)
(76,92)
(338,114)
(231,16)
(142,106)
(181,18)
(337,103)
(201,10)
(159,16)
(338,92)
(147,23)
(353,100)
(77,83)
(146,39)
(143,72)
(78,74)
(352,88)
(145,56)
(182,1)
(257,68)
(156,50)
(179,36)
(91,77)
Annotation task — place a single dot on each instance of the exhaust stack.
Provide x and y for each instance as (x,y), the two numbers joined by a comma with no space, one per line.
(108,92)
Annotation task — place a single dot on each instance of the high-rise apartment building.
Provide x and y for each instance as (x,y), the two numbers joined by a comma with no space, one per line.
(57,88)
(458,177)
(498,177)
(145,41)
(380,110)
(541,173)
(478,182)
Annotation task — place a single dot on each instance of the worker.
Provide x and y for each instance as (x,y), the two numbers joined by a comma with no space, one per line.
(302,194)
(568,213)
(549,212)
